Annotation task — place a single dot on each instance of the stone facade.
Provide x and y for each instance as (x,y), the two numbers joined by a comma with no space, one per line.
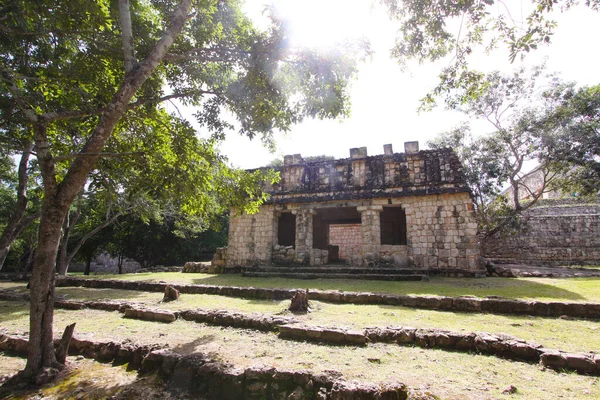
(409,209)
(556,233)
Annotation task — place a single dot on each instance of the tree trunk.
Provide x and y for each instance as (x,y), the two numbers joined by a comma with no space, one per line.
(120,262)
(62,350)
(14,226)
(29,264)
(88,263)
(59,197)
(299,302)
(41,316)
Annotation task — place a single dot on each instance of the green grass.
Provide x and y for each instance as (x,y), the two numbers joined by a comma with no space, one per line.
(566,335)
(451,375)
(545,289)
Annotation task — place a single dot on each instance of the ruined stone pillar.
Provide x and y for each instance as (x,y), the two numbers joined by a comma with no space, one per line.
(304,235)
(371,232)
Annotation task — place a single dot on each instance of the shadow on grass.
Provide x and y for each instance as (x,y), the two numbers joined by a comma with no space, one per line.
(480,287)
(12,310)
(187,348)
(91,294)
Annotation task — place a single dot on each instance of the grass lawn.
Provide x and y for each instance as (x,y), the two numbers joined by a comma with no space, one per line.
(546,289)
(450,375)
(567,335)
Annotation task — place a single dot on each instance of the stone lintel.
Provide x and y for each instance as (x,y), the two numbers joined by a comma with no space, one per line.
(366,208)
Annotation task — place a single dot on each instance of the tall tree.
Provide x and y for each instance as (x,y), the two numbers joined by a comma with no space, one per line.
(571,136)
(512,105)
(69,81)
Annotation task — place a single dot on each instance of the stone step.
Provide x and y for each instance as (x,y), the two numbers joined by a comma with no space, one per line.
(338,270)
(293,275)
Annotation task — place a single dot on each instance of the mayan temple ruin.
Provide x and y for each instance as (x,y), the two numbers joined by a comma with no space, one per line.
(393,211)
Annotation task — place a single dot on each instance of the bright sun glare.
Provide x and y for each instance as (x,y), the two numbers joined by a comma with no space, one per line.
(323,23)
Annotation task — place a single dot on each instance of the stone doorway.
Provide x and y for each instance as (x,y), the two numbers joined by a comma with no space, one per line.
(338,230)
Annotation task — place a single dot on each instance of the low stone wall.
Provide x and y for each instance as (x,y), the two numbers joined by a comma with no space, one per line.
(237,320)
(319,256)
(283,255)
(201,267)
(493,305)
(324,335)
(551,236)
(205,377)
(498,345)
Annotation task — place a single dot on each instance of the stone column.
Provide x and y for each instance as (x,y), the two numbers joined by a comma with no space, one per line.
(304,235)
(371,232)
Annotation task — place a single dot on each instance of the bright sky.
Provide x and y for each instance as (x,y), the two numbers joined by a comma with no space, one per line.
(384,98)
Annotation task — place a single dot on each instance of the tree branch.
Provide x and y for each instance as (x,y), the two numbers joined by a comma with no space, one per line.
(81,166)
(127,36)
(114,155)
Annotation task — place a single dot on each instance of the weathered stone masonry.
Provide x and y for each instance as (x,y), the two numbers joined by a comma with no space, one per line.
(558,232)
(413,210)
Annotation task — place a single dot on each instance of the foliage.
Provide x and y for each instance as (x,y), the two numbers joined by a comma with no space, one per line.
(572,126)
(511,104)
(431,30)
(79,75)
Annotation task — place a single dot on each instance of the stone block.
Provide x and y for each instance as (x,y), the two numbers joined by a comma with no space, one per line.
(580,362)
(553,359)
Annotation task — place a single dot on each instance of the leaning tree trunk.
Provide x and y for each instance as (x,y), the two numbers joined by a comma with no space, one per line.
(15,225)
(59,196)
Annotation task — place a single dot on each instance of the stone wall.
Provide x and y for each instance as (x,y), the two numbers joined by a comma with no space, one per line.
(441,234)
(441,231)
(560,235)
(104,263)
(349,239)
(395,174)
(251,237)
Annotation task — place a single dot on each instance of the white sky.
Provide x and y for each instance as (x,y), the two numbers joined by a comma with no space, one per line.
(384,98)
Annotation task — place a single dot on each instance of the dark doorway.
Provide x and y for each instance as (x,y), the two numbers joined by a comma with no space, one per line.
(393,226)
(286,231)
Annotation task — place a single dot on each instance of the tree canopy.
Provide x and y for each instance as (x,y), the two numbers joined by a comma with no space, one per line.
(537,121)
(431,30)
(84,81)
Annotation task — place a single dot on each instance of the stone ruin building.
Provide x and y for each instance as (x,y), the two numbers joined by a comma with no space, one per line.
(408,211)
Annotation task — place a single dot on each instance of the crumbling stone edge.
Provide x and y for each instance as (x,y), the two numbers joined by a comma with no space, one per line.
(493,344)
(199,374)
(491,304)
